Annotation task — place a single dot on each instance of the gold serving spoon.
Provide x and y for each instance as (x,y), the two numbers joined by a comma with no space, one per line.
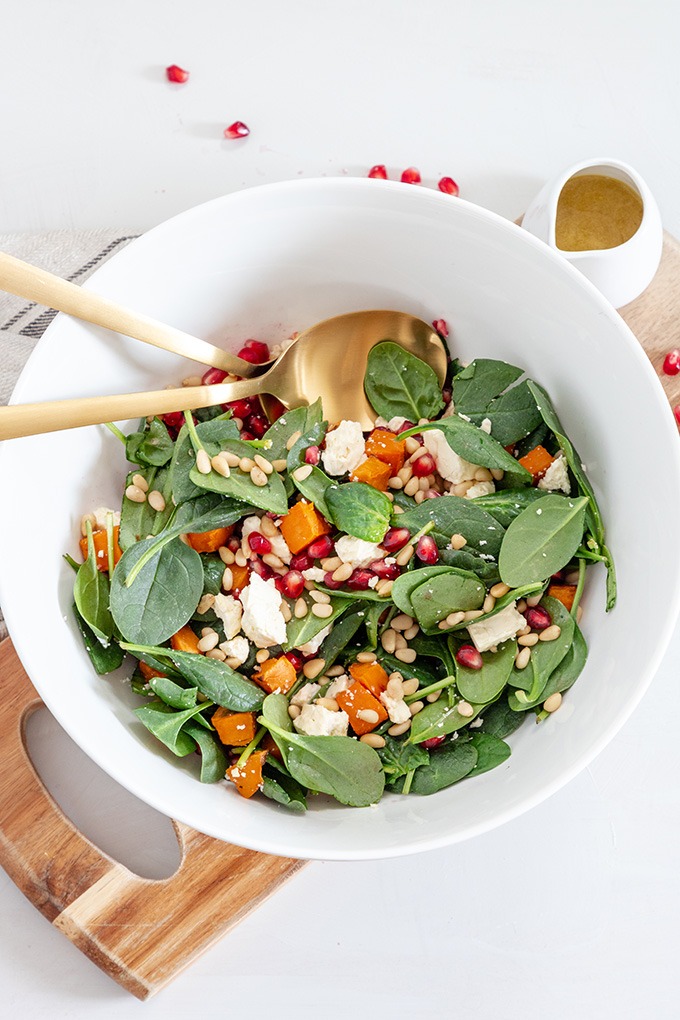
(327,360)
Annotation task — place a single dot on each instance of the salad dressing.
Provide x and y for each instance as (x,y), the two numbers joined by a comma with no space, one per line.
(595,212)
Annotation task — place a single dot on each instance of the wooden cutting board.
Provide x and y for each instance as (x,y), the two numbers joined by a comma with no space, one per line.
(126,924)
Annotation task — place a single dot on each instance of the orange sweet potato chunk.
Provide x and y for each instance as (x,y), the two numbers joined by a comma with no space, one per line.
(371,675)
(248,778)
(209,541)
(356,699)
(148,672)
(276,676)
(536,462)
(303,524)
(373,472)
(383,444)
(235,729)
(564,593)
(185,640)
(241,576)
(101,548)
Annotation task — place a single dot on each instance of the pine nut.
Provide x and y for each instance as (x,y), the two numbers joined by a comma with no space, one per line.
(525,630)
(435,696)
(206,603)
(415,707)
(240,559)
(404,555)
(497,474)
(405,654)
(343,572)
(489,603)
(216,653)
(426,482)
(304,471)
(368,715)
(258,477)
(473,614)
(246,465)
(135,494)
(412,486)
(156,501)
(401,622)
(483,474)
(410,686)
(272,560)
(320,596)
(301,609)
(398,510)
(571,577)
(579,614)
(396,731)
(419,497)
(453,619)
(499,590)
(313,668)
(261,655)
(293,440)
(267,527)
(552,703)
(395,483)
(521,605)
(550,633)
(330,563)
(465,709)
(400,642)
(228,579)
(208,642)
(335,671)
(384,587)
(232,459)
(322,610)
(141,482)
(533,600)
(411,445)
(294,711)
(264,464)
(527,640)
(389,641)
(411,632)
(203,462)
(417,453)
(285,611)
(279,465)
(226,555)
(373,740)
(329,703)
(366,657)
(458,541)
(220,465)
(462,487)
(395,688)
(192,380)
(522,658)
(405,474)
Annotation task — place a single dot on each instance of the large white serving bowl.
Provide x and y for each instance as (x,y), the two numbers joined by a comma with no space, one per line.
(273,259)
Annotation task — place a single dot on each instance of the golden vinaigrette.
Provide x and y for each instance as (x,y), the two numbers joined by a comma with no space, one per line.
(596,212)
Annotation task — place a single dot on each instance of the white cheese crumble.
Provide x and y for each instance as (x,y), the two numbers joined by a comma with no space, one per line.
(314,643)
(313,574)
(397,710)
(357,551)
(487,633)
(237,649)
(486,426)
(263,621)
(480,489)
(344,448)
(277,542)
(317,721)
(305,694)
(101,515)
(449,465)
(556,477)
(230,612)
(341,683)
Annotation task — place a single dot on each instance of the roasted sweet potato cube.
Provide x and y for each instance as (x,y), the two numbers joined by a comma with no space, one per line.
(564,593)
(536,462)
(185,640)
(235,729)
(276,676)
(101,548)
(373,472)
(248,778)
(209,541)
(303,524)
(356,701)
(383,444)
(371,675)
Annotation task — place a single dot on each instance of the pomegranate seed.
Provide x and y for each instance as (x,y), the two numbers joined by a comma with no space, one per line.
(293,584)
(173,420)
(237,130)
(447,395)
(312,455)
(320,547)
(433,742)
(212,376)
(405,427)
(441,326)
(671,363)
(467,655)
(676,412)
(275,409)
(378,172)
(395,539)
(263,569)
(297,660)
(359,581)
(301,561)
(259,349)
(241,409)
(426,550)
(424,466)
(537,617)
(258,543)
(246,435)
(257,424)
(432,494)
(388,571)
(448,186)
(176,74)
(330,582)
(234,543)
(411,176)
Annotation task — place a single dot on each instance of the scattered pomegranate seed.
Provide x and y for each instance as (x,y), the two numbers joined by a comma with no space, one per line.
(441,326)
(537,617)
(263,569)
(433,742)
(330,582)
(671,363)
(258,543)
(359,581)
(378,172)
(426,550)
(301,561)
(176,74)
(424,466)
(241,409)
(448,186)
(297,660)
(467,655)
(173,420)
(234,544)
(447,395)
(405,427)
(293,584)
(320,547)
(254,351)
(275,409)
(213,376)
(411,176)
(246,436)
(676,412)
(257,424)
(312,455)
(237,130)
(395,539)
(388,571)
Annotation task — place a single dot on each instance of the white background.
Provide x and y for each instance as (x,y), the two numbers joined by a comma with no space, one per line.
(570,911)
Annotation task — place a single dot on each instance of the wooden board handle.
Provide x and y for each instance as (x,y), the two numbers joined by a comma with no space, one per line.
(141,932)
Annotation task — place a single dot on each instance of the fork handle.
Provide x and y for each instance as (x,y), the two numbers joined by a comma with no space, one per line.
(35,284)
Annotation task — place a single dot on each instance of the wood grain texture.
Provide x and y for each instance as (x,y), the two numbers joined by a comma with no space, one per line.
(141,932)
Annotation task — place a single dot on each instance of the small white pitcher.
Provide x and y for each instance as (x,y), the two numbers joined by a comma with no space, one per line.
(621,273)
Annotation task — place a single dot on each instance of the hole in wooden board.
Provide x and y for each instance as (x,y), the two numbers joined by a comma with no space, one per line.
(125,828)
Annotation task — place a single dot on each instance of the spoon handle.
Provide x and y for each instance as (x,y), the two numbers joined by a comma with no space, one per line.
(35,284)
(54,415)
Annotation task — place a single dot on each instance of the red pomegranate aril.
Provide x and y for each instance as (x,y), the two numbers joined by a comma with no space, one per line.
(330,582)
(411,176)
(424,466)
(246,435)
(447,395)
(213,376)
(258,543)
(537,617)
(671,363)
(468,656)
(263,569)
(176,74)
(254,351)
(257,424)
(275,409)
(297,660)
(676,412)
(320,548)
(237,130)
(360,580)
(448,186)
(241,409)
(442,327)
(293,584)
(312,455)
(378,172)
(405,427)
(395,539)
(173,420)
(433,742)
(386,571)
(426,550)
(234,544)
(301,561)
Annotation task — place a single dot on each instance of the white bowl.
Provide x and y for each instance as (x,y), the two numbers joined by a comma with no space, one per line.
(262,263)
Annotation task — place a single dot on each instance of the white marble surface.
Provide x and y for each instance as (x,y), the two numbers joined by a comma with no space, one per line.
(570,911)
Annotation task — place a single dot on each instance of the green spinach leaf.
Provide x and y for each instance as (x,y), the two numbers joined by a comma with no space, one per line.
(359,510)
(480,382)
(399,384)
(172,694)
(407,582)
(217,681)
(91,595)
(239,485)
(448,764)
(300,631)
(491,752)
(152,447)
(483,685)
(167,725)
(399,758)
(442,594)
(507,504)
(500,720)
(213,758)
(453,515)
(513,415)
(542,539)
(104,658)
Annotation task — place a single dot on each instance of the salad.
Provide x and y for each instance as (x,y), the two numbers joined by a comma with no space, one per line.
(316,610)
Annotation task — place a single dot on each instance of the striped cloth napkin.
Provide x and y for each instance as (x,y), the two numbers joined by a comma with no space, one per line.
(69,254)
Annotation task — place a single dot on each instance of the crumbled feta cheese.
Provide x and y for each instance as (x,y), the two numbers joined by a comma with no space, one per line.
(237,649)
(397,710)
(249,525)
(341,683)
(394,424)
(230,612)
(313,574)
(101,515)
(317,721)
(277,542)
(449,465)
(344,448)
(487,633)
(556,477)
(314,643)
(480,489)
(357,551)
(263,621)
(486,426)
(373,581)
(305,694)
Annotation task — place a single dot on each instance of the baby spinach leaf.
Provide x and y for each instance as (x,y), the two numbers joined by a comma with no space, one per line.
(398,383)
(485,684)
(425,672)
(239,485)
(300,631)
(448,764)
(399,758)
(502,603)
(500,720)
(483,379)
(287,425)
(104,659)
(139,520)
(167,725)
(152,447)
(476,446)
(213,758)
(91,594)
(407,582)
(213,572)
(491,752)
(372,615)
(314,488)
(453,515)
(434,648)
(359,510)
(163,596)
(542,539)
(507,504)
(275,711)
(565,674)
(313,431)
(513,415)
(282,788)
(442,594)
(341,635)
(547,655)
(184,456)
(217,681)
(438,719)
(467,559)
(340,766)
(172,694)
